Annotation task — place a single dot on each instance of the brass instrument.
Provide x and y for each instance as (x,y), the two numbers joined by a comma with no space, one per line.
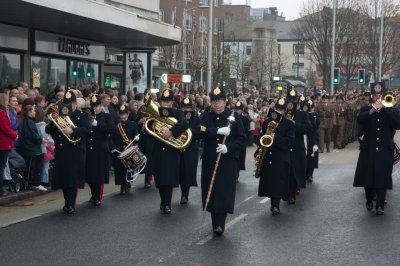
(62,122)
(155,125)
(265,141)
(389,99)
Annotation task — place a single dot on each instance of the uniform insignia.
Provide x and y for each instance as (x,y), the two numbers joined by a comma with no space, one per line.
(274,116)
(188,115)
(290,106)
(378,88)
(238,104)
(186,101)
(203,128)
(292,93)
(216,91)
(65,110)
(281,101)
(122,108)
(302,98)
(68,95)
(165,112)
(94,98)
(166,93)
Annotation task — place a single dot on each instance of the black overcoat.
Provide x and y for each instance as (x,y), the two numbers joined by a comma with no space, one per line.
(313,139)
(275,171)
(242,153)
(190,156)
(98,150)
(375,162)
(302,127)
(166,159)
(131,130)
(70,159)
(146,144)
(223,194)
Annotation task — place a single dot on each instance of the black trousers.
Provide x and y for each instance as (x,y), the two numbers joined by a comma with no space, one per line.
(33,169)
(310,172)
(275,202)
(293,185)
(97,191)
(218,219)
(70,195)
(185,190)
(380,196)
(166,195)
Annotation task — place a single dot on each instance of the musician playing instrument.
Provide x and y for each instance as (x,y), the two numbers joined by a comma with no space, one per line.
(275,170)
(166,158)
(244,120)
(98,151)
(190,155)
(312,139)
(380,120)
(126,131)
(70,158)
(214,128)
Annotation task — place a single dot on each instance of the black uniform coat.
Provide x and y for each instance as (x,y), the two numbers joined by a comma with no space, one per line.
(131,131)
(98,150)
(69,159)
(166,159)
(242,153)
(190,156)
(375,162)
(313,139)
(146,144)
(302,126)
(275,171)
(223,194)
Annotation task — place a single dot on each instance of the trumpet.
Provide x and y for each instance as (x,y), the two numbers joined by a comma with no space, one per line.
(389,99)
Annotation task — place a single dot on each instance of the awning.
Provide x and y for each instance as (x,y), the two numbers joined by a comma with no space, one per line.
(93,20)
(295,82)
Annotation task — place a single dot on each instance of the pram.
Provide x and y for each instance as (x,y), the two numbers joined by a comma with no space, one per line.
(13,172)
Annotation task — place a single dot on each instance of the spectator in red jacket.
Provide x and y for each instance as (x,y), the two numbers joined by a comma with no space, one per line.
(7,135)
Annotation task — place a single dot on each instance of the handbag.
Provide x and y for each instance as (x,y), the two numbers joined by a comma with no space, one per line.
(49,155)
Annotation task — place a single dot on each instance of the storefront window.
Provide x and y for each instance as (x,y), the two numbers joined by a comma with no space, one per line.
(10,69)
(83,74)
(112,81)
(48,73)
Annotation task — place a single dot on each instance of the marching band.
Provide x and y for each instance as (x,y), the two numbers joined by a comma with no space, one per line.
(295,130)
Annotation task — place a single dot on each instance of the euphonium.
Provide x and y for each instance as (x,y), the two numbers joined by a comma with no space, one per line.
(389,99)
(265,141)
(155,126)
(62,122)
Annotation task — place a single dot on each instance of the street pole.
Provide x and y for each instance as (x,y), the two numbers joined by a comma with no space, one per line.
(333,46)
(209,47)
(202,48)
(381,45)
(223,53)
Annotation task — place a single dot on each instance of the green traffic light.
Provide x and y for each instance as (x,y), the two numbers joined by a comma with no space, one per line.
(361,81)
(89,74)
(335,80)
(74,73)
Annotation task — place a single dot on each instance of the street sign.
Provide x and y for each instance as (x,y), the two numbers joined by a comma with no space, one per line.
(186,78)
(164,78)
(174,78)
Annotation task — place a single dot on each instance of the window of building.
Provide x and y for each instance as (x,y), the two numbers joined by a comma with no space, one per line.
(215,53)
(173,52)
(298,49)
(298,69)
(279,49)
(203,2)
(188,22)
(248,50)
(173,17)
(161,15)
(10,69)
(83,74)
(203,24)
(203,51)
(216,3)
(188,51)
(160,52)
(215,25)
(48,73)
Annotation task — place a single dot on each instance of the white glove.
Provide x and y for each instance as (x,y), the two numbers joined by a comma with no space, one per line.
(224,131)
(94,123)
(136,138)
(222,149)
(315,148)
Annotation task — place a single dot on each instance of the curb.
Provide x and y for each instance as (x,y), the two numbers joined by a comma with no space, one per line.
(22,195)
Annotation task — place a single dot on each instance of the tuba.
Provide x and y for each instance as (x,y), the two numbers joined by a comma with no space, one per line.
(62,122)
(265,141)
(155,126)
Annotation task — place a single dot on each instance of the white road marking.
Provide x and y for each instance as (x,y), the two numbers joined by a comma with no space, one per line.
(265,200)
(19,221)
(230,224)
(249,198)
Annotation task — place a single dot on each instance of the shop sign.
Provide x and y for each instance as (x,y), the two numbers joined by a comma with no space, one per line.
(13,37)
(51,43)
(36,77)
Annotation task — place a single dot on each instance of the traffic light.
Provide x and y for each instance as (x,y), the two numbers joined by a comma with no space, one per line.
(336,76)
(361,76)
(89,74)
(74,72)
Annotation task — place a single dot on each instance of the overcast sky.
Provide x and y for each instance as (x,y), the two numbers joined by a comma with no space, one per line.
(290,8)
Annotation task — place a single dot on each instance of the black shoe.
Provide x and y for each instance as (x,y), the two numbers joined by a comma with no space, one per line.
(167,210)
(70,210)
(291,201)
(275,210)
(97,203)
(91,200)
(380,211)
(369,205)
(147,185)
(162,207)
(122,192)
(184,200)
(218,231)
(65,209)
(310,179)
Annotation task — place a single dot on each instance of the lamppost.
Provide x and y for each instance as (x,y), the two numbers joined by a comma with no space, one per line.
(209,47)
